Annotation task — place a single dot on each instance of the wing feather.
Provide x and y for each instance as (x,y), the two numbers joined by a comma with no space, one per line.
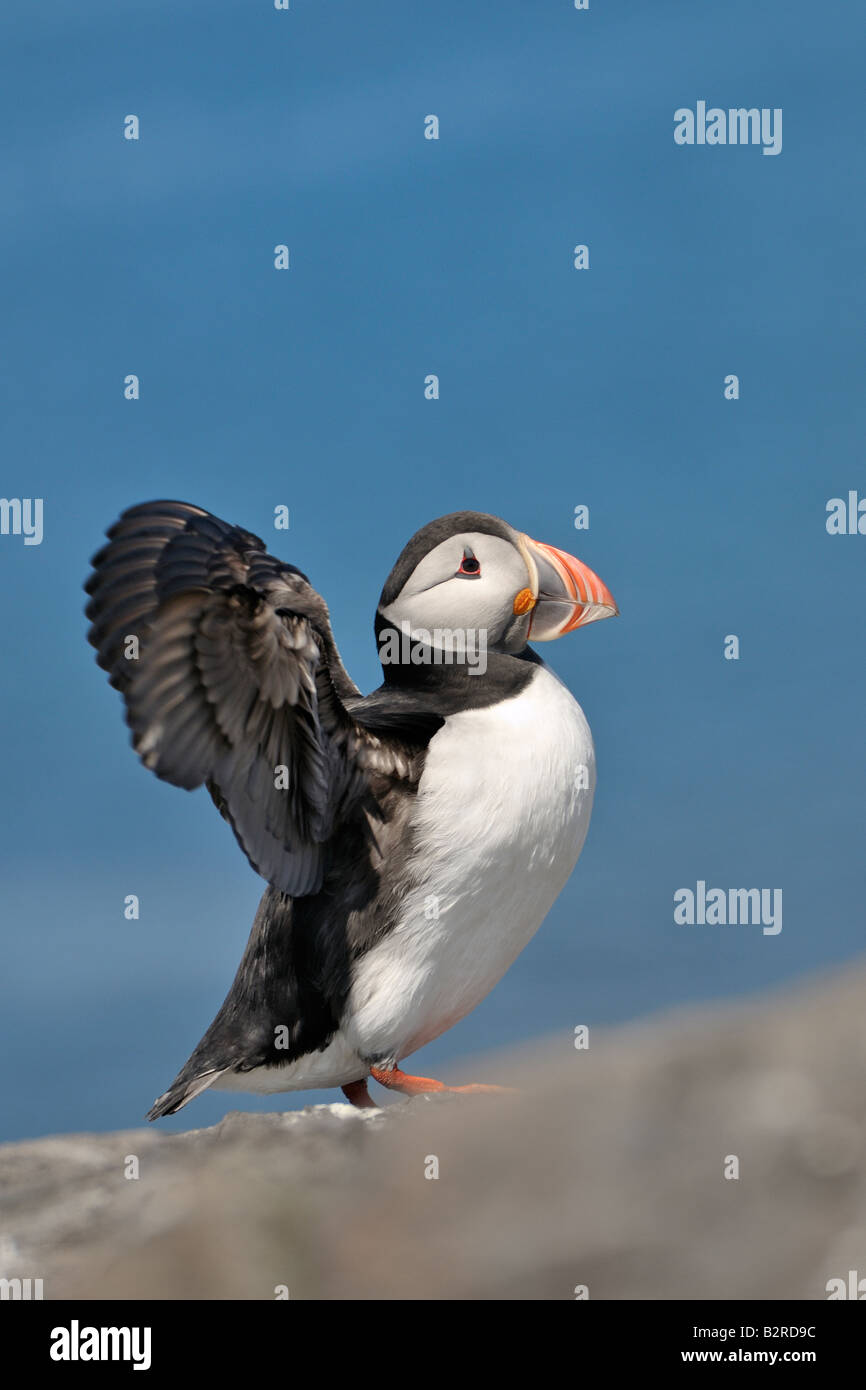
(234,681)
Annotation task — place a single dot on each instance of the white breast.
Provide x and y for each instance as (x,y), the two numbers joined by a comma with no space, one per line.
(502,811)
(501,814)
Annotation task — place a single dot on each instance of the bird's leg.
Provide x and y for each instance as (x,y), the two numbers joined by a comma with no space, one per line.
(356,1094)
(396,1080)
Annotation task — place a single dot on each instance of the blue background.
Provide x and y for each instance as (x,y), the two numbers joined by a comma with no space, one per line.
(558,387)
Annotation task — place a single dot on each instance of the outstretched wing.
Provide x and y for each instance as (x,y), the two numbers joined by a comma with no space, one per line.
(231,677)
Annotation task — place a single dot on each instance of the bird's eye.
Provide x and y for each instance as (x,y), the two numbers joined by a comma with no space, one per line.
(469,565)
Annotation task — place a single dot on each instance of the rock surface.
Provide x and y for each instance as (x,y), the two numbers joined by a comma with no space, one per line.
(605,1170)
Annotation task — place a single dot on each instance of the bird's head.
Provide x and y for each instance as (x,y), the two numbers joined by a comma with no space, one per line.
(469,574)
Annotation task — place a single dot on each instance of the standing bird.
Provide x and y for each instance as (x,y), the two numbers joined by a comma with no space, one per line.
(413,839)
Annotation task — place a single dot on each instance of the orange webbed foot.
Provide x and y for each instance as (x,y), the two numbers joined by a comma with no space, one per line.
(356,1094)
(393,1079)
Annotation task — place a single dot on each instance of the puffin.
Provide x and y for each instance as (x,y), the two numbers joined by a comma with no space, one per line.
(412,840)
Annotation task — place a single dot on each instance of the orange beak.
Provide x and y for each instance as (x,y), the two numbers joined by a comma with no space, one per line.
(568,594)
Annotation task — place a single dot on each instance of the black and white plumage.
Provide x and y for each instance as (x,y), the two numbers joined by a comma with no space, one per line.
(412,840)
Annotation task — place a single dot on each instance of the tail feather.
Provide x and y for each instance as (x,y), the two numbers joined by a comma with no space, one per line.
(181,1091)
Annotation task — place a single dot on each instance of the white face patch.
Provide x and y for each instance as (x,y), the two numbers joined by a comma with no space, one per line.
(437,597)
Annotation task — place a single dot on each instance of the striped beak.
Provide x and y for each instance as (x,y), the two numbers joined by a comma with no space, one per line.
(568,593)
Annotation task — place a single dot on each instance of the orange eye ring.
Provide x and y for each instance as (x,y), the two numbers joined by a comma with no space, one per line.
(470,565)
